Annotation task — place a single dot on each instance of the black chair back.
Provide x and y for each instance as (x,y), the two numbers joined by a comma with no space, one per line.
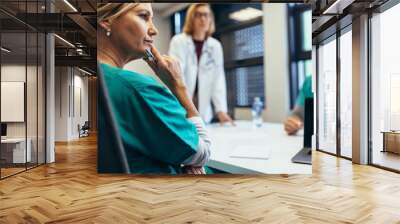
(111,156)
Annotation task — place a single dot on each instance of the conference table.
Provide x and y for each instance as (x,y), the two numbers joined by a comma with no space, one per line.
(246,149)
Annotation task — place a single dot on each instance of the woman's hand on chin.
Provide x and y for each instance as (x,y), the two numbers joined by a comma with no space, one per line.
(167,69)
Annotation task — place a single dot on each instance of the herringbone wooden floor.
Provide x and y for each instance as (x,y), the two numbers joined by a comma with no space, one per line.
(70,191)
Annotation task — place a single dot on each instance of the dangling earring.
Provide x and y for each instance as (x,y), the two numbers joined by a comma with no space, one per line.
(108,33)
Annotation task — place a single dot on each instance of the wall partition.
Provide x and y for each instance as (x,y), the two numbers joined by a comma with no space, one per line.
(334,93)
(22,77)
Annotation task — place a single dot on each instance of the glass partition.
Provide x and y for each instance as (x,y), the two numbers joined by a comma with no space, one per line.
(327,95)
(346,93)
(31,100)
(385,89)
(41,91)
(22,88)
(14,145)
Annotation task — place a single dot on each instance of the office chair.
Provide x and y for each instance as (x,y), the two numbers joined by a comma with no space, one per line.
(86,126)
(111,157)
(84,129)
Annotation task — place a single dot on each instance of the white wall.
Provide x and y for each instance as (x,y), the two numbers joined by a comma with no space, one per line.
(14,72)
(69,82)
(276,64)
(80,83)
(17,72)
(161,42)
(61,103)
(33,126)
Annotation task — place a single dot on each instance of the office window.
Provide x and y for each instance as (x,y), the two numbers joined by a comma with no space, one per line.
(244,82)
(327,95)
(300,46)
(346,94)
(247,83)
(243,45)
(177,21)
(385,89)
(307,31)
(303,69)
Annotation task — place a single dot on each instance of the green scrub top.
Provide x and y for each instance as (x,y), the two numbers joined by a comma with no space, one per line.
(155,133)
(305,92)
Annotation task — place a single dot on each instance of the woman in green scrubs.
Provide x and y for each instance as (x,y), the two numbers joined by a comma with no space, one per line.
(159,126)
(294,121)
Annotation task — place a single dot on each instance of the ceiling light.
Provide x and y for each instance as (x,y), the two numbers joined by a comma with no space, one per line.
(79,44)
(328,10)
(84,71)
(337,7)
(64,40)
(80,51)
(70,5)
(245,14)
(5,50)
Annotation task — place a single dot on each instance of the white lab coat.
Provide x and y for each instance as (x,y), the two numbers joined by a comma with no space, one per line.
(212,85)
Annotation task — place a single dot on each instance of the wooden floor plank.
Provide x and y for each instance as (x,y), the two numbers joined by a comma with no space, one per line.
(71,191)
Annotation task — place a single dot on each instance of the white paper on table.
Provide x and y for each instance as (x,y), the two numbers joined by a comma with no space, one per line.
(250,152)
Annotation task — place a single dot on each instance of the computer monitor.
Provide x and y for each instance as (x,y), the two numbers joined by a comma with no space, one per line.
(3,129)
(308,122)
(304,155)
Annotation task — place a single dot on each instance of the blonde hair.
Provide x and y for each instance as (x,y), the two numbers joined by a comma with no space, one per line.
(111,11)
(188,27)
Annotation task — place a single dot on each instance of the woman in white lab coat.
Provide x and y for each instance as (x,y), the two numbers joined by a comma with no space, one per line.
(202,63)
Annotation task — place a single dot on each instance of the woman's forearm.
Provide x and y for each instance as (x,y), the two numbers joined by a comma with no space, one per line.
(181,93)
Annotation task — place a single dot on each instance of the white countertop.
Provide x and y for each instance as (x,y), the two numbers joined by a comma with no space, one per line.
(13,140)
(271,136)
